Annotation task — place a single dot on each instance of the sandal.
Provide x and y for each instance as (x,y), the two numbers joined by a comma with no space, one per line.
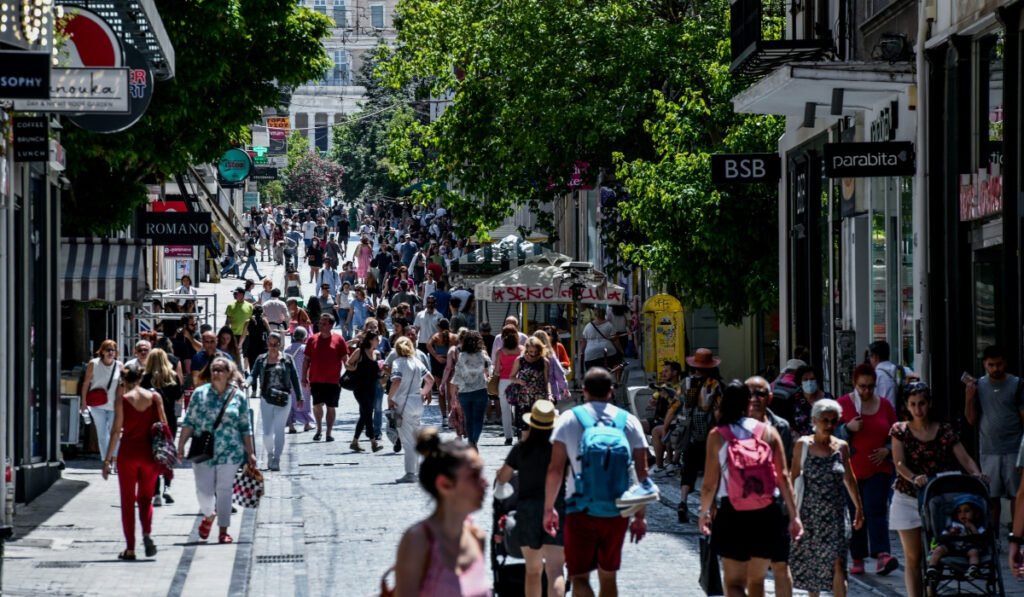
(126,555)
(204,528)
(225,538)
(150,547)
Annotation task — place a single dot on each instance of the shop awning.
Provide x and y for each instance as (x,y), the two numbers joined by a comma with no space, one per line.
(111,270)
(541,280)
(789,88)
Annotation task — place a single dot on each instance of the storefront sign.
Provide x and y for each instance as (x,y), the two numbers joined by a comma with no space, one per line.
(250,200)
(24,75)
(80,90)
(186,251)
(981,194)
(746,168)
(521,294)
(264,174)
(174,228)
(861,160)
(278,130)
(31,138)
(140,94)
(235,166)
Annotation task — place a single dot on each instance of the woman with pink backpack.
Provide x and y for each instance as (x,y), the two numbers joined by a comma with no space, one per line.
(744,471)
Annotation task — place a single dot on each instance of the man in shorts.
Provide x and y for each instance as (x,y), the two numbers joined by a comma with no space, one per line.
(594,531)
(321,371)
(994,405)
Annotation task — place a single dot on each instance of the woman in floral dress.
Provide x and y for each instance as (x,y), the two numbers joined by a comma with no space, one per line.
(818,558)
(530,372)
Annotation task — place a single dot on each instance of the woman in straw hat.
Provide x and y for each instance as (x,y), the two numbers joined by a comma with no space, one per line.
(530,458)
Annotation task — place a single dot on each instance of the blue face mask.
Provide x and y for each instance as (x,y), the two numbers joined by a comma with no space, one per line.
(810,386)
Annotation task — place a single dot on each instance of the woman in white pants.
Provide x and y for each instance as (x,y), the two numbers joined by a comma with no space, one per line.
(274,377)
(407,398)
(219,407)
(103,373)
(505,359)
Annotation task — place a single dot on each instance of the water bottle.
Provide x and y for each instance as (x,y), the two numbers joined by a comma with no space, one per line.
(87,417)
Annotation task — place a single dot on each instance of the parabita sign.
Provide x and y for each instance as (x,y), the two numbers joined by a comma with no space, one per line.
(861,160)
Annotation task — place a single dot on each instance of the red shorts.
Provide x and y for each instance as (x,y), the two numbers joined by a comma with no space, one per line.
(592,542)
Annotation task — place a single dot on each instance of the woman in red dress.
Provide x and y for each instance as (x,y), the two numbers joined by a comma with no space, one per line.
(135,411)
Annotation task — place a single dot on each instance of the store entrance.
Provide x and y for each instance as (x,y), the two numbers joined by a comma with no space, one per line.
(989,290)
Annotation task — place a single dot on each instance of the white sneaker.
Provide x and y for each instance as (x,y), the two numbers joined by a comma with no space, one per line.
(407,478)
(657,471)
(671,469)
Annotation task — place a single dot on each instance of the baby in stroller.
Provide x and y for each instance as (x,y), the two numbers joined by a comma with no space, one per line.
(966,520)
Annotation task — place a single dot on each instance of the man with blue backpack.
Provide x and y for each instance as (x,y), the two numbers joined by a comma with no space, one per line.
(601,443)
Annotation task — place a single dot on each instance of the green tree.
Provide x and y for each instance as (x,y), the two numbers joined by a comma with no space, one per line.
(298,146)
(361,145)
(272,191)
(229,64)
(638,91)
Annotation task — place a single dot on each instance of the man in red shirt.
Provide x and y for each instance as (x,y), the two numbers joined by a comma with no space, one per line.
(321,371)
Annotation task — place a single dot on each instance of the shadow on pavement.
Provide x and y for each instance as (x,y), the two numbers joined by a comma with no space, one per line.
(31,516)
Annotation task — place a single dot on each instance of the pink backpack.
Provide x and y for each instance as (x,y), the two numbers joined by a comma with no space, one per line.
(751,469)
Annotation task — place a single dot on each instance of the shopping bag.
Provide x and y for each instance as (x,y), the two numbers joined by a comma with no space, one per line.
(248,487)
(710,577)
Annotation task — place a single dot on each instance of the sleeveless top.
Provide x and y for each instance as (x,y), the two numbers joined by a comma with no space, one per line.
(439,580)
(101,377)
(506,363)
(135,428)
(366,373)
(292,288)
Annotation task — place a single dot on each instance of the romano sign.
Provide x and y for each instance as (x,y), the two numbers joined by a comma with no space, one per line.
(862,160)
(175,228)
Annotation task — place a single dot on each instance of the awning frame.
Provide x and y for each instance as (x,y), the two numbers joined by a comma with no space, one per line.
(111,270)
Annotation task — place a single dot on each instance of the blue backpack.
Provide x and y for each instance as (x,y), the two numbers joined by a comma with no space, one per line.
(604,461)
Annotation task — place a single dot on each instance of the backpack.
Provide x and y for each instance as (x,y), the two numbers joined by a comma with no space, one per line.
(900,385)
(751,469)
(605,458)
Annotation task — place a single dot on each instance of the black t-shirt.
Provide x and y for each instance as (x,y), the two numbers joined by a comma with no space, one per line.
(533,469)
(183,349)
(250,245)
(342,228)
(256,339)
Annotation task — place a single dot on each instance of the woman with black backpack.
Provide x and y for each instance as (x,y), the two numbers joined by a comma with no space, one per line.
(274,378)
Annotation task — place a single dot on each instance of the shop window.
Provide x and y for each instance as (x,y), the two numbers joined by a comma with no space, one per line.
(892,261)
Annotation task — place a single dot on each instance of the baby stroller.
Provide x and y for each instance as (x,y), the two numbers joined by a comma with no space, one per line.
(938,503)
(506,556)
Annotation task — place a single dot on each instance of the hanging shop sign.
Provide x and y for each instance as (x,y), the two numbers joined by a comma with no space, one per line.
(278,128)
(89,41)
(175,228)
(179,251)
(31,138)
(83,90)
(235,166)
(24,75)
(864,160)
(745,168)
(264,174)
(140,94)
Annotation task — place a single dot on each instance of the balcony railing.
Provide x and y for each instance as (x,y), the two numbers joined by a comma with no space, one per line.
(768,33)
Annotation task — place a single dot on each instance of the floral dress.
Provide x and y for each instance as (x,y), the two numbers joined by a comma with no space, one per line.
(534,388)
(825,518)
(925,458)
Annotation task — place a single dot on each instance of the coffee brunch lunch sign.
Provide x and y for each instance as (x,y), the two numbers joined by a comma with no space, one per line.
(863,160)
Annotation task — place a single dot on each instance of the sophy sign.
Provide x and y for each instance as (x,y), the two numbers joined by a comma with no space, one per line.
(862,160)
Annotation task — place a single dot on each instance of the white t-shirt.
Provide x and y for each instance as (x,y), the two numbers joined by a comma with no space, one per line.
(409,373)
(463,296)
(569,431)
(427,324)
(308,228)
(596,343)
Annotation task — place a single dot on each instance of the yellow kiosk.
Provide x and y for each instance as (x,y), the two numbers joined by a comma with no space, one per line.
(663,332)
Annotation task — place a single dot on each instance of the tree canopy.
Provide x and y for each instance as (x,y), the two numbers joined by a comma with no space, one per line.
(637,94)
(311,179)
(233,57)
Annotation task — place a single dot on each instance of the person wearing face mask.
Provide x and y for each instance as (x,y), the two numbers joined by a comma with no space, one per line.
(810,392)
(865,424)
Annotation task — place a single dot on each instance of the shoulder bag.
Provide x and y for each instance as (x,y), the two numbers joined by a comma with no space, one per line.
(201,448)
(798,484)
(348,378)
(98,396)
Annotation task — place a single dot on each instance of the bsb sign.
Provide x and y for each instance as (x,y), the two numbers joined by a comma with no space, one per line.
(862,160)
(175,228)
(745,168)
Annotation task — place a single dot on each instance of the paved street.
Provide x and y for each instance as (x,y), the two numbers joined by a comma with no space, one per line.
(328,525)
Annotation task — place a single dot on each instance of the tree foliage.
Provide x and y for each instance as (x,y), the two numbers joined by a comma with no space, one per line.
(361,145)
(272,191)
(312,179)
(230,63)
(638,91)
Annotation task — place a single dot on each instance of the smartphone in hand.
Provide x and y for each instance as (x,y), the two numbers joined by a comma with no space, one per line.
(967,378)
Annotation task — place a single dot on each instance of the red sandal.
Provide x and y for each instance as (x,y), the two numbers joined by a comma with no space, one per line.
(204,528)
(225,538)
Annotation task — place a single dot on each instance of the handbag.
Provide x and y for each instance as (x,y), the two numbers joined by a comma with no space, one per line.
(248,487)
(162,444)
(98,396)
(492,384)
(201,448)
(710,577)
(798,484)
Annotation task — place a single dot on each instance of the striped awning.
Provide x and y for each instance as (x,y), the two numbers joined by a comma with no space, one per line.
(111,270)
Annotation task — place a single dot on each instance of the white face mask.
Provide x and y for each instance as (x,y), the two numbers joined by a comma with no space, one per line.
(810,386)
